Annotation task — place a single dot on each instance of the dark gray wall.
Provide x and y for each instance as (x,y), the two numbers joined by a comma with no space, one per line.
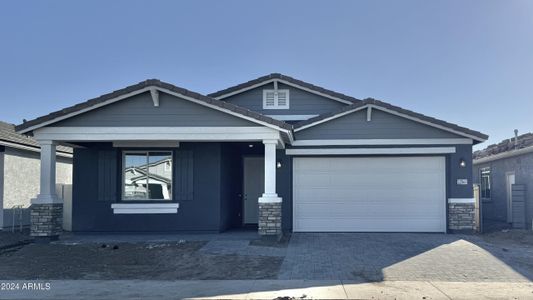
(496,207)
(301,102)
(284,188)
(202,213)
(139,110)
(382,126)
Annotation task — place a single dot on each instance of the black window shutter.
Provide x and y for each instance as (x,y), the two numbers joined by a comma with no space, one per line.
(107,175)
(184,175)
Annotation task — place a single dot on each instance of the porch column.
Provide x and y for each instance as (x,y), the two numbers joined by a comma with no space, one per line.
(47,207)
(270,203)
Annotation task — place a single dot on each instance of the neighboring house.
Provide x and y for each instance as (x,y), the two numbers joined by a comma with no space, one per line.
(274,152)
(19,175)
(496,169)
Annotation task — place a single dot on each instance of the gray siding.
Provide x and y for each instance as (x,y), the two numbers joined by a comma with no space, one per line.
(382,126)
(301,102)
(139,110)
(496,207)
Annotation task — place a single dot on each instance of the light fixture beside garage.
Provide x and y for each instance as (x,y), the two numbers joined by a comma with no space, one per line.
(278,164)
(462,163)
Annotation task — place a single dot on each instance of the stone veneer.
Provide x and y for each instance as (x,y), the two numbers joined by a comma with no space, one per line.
(461,216)
(270,219)
(46,220)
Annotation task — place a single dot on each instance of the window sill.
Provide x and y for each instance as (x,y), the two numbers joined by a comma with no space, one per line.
(145,208)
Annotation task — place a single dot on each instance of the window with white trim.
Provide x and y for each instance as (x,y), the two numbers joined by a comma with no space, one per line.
(147,176)
(485,184)
(275,99)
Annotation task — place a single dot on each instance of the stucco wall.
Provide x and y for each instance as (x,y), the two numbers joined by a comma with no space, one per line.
(496,207)
(22,179)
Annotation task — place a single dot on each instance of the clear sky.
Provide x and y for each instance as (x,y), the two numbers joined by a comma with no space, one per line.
(466,62)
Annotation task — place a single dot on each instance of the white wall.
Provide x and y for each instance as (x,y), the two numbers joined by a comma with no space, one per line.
(21,180)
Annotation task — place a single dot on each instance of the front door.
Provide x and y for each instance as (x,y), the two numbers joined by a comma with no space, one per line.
(509,182)
(254,185)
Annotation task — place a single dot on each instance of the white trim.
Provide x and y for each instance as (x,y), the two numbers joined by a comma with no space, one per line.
(393,113)
(30,148)
(140,91)
(276,99)
(503,155)
(330,118)
(145,144)
(155,96)
(286,83)
(270,199)
(291,117)
(145,208)
(156,133)
(369,114)
(462,200)
(381,142)
(371,151)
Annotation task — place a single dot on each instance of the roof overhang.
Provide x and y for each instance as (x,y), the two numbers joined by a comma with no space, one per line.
(279,80)
(154,90)
(503,155)
(316,121)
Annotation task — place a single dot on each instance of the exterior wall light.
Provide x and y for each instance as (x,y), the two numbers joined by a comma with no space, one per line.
(278,164)
(462,163)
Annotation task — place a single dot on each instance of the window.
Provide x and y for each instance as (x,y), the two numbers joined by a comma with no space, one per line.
(147,176)
(275,99)
(485,183)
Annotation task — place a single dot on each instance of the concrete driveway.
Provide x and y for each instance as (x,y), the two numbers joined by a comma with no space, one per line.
(370,257)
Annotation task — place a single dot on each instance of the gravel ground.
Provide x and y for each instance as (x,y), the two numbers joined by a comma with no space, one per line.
(155,261)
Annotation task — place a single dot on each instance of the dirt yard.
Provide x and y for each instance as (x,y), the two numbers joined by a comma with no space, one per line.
(154,261)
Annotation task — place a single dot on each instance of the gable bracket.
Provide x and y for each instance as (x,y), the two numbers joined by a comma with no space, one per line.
(155,96)
(369,114)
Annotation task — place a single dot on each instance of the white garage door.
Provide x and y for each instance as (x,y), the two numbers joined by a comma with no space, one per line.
(388,194)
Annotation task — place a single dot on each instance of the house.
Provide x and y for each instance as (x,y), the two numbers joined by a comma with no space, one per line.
(274,152)
(504,172)
(19,175)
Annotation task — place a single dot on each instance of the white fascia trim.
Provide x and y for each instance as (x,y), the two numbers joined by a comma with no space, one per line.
(29,148)
(462,200)
(145,208)
(503,155)
(156,133)
(356,142)
(291,117)
(330,118)
(151,88)
(371,151)
(286,83)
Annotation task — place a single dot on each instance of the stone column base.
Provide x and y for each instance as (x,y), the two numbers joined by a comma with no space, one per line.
(46,220)
(270,219)
(461,217)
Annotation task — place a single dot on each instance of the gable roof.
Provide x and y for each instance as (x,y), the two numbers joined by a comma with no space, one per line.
(507,146)
(370,102)
(144,87)
(237,89)
(10,138)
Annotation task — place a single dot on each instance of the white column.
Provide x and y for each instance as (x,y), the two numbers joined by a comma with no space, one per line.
(47,192)
(270,195)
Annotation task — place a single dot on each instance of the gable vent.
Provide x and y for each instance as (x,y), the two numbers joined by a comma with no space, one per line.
(275,99)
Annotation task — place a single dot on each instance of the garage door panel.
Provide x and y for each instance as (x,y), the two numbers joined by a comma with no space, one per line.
(385,193)
(365,225)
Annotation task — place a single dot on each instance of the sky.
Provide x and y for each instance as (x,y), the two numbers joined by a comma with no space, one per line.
(466,62)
